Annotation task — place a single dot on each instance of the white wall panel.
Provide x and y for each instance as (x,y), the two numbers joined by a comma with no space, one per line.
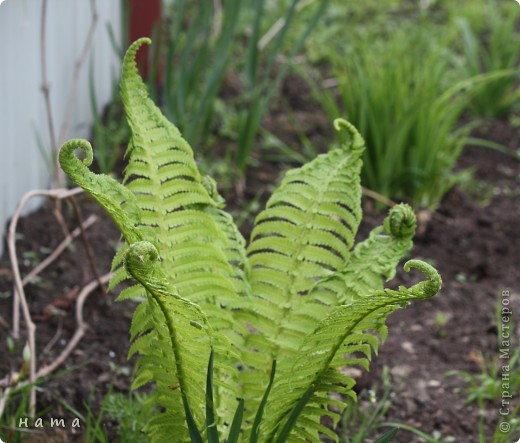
(22,110)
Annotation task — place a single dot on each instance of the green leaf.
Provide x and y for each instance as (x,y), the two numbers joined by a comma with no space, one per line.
(341,333)
(211,424)
(255,431)
(289,424)
(387,437)
(192,426)
(234,431)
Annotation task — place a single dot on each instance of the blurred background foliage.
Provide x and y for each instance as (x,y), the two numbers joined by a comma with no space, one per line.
(415,76)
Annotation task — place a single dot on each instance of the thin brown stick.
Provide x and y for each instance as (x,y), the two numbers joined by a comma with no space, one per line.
(58,215)
(378,197)
(55,338)
(20,300)
(86,244)
(11,240)
(59,178)
(217,18)
(278,25)
(80,328)
(59,249)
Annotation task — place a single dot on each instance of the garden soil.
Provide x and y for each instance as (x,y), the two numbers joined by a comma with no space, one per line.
(473,239)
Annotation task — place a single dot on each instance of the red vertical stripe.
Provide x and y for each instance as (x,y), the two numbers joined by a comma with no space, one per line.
(144,15)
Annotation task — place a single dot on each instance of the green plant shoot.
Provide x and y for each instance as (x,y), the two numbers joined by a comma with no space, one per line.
(279,316)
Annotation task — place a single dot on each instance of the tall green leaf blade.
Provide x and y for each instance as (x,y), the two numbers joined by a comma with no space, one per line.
(211,422)
(255,430)
(387,437)
(234,431)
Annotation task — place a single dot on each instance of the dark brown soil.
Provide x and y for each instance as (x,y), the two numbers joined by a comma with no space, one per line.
(473,240)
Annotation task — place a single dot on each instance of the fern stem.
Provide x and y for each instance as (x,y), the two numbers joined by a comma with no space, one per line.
(140,261)
(117,200)
(427,288)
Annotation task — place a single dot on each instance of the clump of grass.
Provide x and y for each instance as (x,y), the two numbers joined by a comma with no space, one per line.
(110,131)
(403,96)
(497,53)
(203,45)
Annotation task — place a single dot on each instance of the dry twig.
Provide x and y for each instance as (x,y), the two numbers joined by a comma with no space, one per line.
(81,328)
(278,25)
(59,249)
(86,244)
(46,94)
(378,197)
(19,299)
(94,17)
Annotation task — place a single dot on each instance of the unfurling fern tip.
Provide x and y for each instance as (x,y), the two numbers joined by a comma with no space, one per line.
(68,159)
(401,222)
(427,288)
(140,259)
(354,141)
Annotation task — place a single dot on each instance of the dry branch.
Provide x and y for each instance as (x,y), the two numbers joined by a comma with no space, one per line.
(59,249)
(86,244)
(81,327)
(19,299)
(58,178)
(94,17)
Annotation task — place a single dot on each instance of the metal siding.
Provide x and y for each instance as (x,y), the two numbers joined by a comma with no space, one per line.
(22,110)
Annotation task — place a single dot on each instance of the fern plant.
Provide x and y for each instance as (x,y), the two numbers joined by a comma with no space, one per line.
(300,297)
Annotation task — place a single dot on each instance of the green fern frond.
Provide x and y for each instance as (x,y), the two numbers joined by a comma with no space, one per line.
(173,201)
(343,332)
(178,340)
(301,297)
(372,262)
(165,201)
(117,201)
(304,234)
(202,252)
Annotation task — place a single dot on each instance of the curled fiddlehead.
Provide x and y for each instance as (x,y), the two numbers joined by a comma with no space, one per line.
(117,200)
(401,222)
(353,139)
(426,288)
(140,261)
